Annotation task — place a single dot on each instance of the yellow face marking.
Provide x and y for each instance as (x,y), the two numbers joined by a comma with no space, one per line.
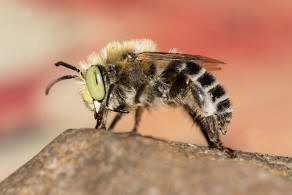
(86,96)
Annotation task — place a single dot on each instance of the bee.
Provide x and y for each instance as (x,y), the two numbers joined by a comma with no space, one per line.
(134,75)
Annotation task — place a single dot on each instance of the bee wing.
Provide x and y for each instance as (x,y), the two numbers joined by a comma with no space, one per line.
(209,64)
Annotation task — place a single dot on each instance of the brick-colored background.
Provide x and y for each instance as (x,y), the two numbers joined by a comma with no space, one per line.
(253,38)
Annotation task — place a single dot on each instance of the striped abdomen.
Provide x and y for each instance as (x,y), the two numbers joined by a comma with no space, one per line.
(213,98)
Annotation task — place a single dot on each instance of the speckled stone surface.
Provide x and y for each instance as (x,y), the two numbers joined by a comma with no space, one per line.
(89,161)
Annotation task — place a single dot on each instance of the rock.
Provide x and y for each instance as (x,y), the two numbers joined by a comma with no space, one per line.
(90,161)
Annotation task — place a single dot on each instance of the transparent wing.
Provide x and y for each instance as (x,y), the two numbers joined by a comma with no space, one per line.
(209,64)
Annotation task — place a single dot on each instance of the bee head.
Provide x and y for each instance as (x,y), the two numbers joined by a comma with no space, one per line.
(94,92)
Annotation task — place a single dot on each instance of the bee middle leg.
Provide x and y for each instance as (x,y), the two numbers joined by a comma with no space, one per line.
(143,91)
(138,115)
(115,121)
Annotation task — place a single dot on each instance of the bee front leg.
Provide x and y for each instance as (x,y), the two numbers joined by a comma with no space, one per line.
(98,118)
(101,118)
(104,119)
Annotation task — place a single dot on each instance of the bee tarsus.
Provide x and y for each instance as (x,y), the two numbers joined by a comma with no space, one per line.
(120,111)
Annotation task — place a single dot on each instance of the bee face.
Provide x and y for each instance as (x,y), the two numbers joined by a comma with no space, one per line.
(133,75)
(93,92)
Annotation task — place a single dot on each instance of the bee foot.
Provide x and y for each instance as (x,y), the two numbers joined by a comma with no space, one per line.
(134,133)
(230,152)
(108,129)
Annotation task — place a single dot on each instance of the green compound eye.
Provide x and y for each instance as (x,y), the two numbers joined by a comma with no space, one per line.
(94,83)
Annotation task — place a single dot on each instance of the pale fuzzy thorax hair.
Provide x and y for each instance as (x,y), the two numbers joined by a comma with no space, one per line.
(113,50)
(109,54)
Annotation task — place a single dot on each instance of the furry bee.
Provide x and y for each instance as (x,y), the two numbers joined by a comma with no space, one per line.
(134,75)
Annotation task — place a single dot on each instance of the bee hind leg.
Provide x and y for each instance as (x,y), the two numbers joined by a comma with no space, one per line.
(211,134)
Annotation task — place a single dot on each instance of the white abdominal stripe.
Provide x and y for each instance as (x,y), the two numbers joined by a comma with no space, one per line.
(217,101)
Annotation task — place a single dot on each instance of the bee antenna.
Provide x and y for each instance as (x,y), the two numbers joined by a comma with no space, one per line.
(59,79)
(60,63)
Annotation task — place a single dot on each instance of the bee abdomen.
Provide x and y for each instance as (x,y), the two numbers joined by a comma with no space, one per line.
(217,101)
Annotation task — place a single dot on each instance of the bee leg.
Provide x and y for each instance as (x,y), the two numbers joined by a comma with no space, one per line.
(138,114)
(139,108)
(211,134)
(115,121)
(98,118)
(104,119)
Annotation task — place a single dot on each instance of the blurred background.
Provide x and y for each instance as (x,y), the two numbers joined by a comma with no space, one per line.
(252,37)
